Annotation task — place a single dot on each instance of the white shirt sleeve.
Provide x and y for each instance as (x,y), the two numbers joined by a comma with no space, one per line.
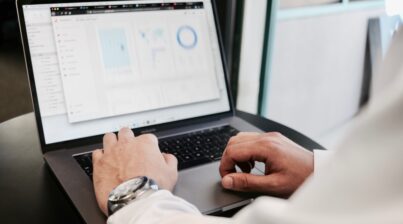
(162,207)
(320,157)
(159,206)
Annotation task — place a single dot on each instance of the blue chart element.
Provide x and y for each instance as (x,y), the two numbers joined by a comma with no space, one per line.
(114,48)
(187,37)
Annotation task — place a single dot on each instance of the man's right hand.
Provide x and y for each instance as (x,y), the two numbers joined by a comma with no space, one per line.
(287,164)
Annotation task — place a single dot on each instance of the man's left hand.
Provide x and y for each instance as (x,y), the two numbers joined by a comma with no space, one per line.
(124,157)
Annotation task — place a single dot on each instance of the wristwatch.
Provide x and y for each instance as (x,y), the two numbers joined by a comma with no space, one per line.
(128,191)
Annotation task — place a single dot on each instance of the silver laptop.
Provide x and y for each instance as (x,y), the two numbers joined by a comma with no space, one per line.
(154,66)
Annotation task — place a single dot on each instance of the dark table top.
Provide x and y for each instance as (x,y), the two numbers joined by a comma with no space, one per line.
(28,191)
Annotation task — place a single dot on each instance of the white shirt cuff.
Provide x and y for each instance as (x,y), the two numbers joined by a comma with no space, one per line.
(153,209)
(320,157)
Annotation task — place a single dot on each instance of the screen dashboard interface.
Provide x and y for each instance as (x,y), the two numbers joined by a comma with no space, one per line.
(101,66)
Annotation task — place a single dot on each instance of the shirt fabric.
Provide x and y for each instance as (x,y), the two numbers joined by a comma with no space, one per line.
(362,181)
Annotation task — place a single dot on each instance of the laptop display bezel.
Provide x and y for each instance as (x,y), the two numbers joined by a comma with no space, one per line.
(98,138)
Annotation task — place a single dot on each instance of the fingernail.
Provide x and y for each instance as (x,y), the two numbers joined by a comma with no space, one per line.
(227,182)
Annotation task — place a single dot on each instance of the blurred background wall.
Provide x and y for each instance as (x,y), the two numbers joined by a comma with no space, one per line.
(14,93)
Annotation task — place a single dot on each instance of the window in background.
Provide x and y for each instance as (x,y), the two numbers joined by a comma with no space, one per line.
(253,34)
(394,7)
(315,64)
(301,3)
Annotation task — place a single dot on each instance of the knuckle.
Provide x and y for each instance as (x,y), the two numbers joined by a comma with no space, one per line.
(125,129)
(240,134)
(149,137)
(231,141)
(265,142)
(229,150)
(172,157)
(123,144)
(109,135)
(275,134)
(96,154)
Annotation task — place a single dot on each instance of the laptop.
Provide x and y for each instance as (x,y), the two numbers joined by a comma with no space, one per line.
(156,66)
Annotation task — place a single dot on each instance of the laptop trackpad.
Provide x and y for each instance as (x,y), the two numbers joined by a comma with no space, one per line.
(201,186)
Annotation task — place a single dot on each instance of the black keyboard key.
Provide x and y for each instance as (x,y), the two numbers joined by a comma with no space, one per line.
(85,161)
(192,149)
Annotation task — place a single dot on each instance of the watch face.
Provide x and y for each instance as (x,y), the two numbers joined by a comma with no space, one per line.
(126,189)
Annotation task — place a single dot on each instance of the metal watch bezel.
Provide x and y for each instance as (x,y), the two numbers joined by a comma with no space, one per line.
(119,199)
(114,204)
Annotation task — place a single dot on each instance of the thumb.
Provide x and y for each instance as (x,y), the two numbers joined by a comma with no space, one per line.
(246,182)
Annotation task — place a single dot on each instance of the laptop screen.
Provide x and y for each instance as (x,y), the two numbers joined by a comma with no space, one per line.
(101,66)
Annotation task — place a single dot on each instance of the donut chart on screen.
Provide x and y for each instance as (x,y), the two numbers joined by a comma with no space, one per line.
(187,37)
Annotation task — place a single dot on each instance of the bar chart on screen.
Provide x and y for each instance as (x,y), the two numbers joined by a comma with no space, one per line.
(114,50)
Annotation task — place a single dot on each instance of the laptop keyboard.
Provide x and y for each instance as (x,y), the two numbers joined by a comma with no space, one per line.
(191,149)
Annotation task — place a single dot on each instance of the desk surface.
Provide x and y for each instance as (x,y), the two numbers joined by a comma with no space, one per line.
(28,191)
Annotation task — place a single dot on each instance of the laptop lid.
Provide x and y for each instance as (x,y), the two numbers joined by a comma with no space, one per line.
(95,67)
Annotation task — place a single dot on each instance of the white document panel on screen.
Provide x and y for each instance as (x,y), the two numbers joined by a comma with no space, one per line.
(114,64)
